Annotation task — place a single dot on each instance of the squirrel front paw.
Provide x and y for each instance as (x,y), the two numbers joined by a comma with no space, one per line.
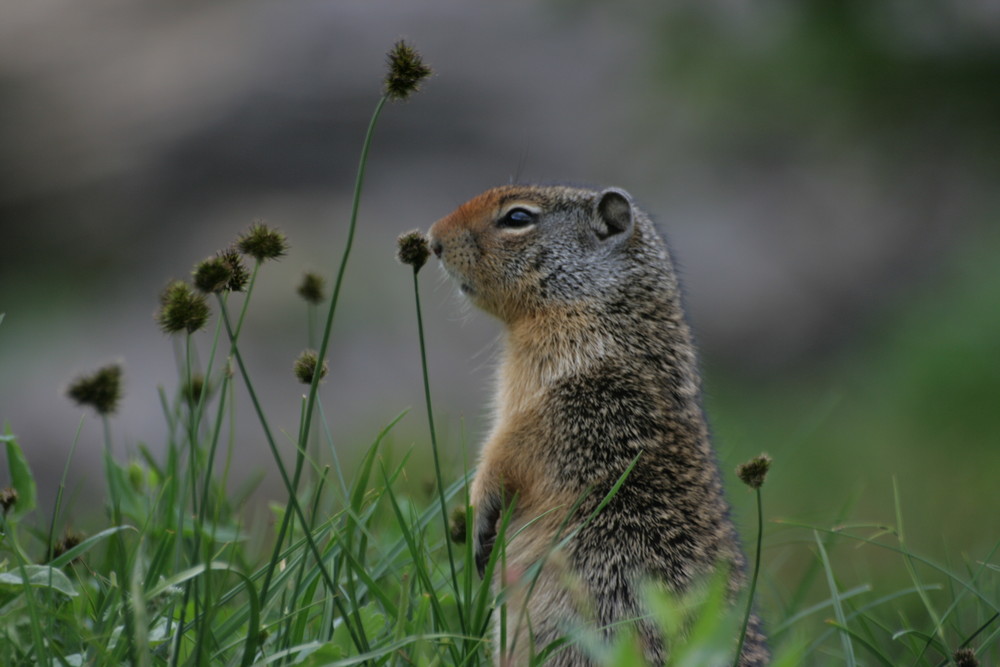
(484,535)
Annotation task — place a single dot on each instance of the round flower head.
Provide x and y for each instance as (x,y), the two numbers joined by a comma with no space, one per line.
(965,657)
(239,276)
(212,275)
(406,71)
(305,367)
(261,242)
(8,498)
(181,309)
(311,288)
(69,539)
(753,472)
(412,249)
(193,389)
(457,525)
(102,390)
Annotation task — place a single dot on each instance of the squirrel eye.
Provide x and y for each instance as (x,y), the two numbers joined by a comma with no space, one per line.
(517,217)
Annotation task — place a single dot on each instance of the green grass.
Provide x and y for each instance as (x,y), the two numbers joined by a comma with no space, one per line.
(359,568)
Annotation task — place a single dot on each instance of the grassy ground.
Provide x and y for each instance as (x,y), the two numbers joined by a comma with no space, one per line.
(358,567)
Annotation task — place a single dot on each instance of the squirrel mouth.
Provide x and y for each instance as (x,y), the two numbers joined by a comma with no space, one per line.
(463,286)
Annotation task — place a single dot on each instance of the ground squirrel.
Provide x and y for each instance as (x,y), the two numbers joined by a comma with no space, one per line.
(598,368)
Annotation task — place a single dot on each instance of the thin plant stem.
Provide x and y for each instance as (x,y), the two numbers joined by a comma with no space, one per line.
(434,450)
(62,489)
(311,325)
(200,523)
(192,426)
(838,608)
(203,398)
(753,578)
(286,525)
(32,603)
(908,563)
(306,426)
(328,327)
(116,512)
(192,435)
(118,543)
(246,299)
(213,448)
(333,454)
(359,641)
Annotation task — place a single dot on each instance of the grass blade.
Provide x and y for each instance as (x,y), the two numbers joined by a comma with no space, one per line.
(838,608)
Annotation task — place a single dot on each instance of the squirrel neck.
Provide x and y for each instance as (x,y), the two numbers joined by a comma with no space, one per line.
(550,345)
(544,347)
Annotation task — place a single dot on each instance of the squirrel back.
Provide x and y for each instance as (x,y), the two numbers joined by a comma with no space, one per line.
(598,370)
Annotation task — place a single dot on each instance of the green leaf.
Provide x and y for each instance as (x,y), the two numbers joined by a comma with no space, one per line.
(373,622)
(39,576)
(86,545)
(324,655)
(20,476)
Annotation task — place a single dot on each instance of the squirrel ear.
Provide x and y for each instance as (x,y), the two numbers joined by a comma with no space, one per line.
(613,214)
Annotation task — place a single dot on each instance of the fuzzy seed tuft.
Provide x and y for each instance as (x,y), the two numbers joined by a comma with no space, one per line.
(311,288)
(181,309)
(457,525)
(753,472)
(412,249)
(406,71)
(192,390)
(240,276)
(262,243)
(212,275)
(70,539)
(965,657)
(305,367)
(102,390)
(8,498)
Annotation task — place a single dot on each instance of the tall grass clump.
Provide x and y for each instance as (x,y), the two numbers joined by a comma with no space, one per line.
(171,580)
(358,571)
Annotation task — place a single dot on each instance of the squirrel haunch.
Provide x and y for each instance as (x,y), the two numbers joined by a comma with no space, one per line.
(598,368)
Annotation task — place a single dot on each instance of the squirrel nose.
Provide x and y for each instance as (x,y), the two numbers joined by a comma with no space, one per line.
(437,247)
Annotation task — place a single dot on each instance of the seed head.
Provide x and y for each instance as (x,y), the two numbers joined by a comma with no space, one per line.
(8,498)
(101,391)
(406,71)
(181,308)
(456,527)
(262,243)
(753,472)
(193,389)
(70,539)
(212,275)
(965,657)
(305,367)
(311,288)
(240,276)
(412,249)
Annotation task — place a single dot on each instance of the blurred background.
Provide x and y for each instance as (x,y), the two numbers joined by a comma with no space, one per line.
(824,169)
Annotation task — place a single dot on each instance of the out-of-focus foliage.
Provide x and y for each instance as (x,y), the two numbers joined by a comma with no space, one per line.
(839,69)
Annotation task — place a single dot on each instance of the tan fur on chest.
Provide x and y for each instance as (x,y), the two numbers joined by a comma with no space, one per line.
(543,349)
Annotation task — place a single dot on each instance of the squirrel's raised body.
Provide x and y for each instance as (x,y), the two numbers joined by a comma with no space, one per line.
(598,369)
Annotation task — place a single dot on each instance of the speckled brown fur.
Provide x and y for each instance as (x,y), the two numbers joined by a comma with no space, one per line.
(598,367)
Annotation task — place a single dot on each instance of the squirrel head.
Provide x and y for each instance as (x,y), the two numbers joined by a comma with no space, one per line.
(519,250)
